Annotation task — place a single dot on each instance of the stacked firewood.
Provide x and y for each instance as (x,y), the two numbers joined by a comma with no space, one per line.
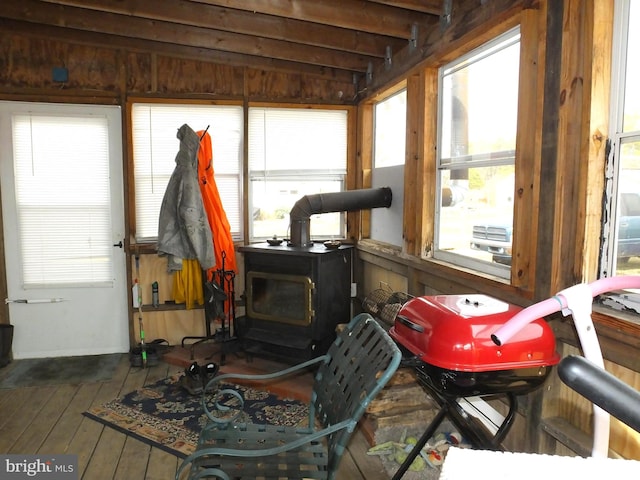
(401,403)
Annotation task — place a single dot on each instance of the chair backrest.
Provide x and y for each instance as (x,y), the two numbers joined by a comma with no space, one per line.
(360,362)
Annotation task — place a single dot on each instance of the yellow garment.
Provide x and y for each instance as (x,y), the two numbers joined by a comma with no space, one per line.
(187,284)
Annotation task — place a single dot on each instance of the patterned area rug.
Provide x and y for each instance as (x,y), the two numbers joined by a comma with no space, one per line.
(164,415)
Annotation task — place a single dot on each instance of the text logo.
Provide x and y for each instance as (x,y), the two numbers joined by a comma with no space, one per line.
(50,467)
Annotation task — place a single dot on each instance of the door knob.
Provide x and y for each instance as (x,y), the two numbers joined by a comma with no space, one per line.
(119,244)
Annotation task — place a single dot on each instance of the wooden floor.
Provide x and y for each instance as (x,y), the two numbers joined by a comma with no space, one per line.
(49,420)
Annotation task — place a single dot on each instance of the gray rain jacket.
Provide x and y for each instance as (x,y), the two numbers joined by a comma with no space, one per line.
(183,228)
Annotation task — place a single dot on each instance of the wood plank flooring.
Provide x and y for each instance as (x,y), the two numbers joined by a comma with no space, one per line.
(49,420)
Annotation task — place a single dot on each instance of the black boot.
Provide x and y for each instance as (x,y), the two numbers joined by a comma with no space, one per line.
(192,379)
(210,370)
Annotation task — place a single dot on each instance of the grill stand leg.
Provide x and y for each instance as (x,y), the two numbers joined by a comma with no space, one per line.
(428,433)
(476,434)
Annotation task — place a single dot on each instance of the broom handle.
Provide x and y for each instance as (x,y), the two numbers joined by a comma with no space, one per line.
(143,349)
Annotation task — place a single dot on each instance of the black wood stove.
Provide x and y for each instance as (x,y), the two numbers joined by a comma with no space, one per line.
(297,292)
(295,297)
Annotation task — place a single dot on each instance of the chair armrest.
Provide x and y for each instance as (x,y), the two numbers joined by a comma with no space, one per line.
(266,452)
(211,385)
(264,377)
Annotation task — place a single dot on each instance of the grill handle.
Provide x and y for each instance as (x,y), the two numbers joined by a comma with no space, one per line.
(408,323)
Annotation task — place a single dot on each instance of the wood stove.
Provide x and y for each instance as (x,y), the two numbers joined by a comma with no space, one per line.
(295,297)
(297,293)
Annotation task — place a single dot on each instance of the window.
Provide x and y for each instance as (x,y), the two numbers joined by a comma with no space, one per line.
(621,233)
(154,128)
(295,152)
(61,171)
(477,118)
(389,145)
(390,130)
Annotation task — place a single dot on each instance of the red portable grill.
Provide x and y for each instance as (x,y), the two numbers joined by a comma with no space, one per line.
(447,339)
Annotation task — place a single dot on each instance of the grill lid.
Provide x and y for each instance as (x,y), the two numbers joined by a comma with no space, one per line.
(454,332)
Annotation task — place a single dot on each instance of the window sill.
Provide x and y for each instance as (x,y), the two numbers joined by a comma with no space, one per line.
(433,272)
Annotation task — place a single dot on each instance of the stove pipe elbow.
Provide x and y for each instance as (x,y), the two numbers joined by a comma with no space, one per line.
(349,201)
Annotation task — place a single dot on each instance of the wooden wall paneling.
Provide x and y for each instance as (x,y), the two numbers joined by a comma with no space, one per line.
(571,168)
(563,404)
(428,151)
(327,90)
(597,57)
(127,170)
(140,79)
(362,179)
(182,76)
(364,164)
(624,439)
(353,179)
(28,62)
(377,277)
(527,174)
(276,86)
(413,165)
(170,325)
(545,260)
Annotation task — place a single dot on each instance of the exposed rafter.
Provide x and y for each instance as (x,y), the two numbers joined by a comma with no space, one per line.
(336,37)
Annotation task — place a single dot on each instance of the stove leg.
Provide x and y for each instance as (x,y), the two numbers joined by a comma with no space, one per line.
(428,433)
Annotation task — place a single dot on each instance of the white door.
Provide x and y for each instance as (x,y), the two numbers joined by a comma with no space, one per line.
(63,212)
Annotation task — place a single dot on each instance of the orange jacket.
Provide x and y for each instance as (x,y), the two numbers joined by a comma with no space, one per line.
(220,228)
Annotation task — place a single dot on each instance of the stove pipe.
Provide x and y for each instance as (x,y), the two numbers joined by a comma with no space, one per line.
(349,201)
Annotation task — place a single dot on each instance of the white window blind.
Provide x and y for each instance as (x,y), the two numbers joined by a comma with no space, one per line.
(63,199)
(295,152)
(154,128)
(293,139)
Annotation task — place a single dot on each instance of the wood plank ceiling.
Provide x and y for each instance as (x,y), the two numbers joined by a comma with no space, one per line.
(337,38)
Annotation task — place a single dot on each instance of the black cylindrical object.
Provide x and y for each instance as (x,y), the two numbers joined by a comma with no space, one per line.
(348,201)
(6,340)
(600,387)
(155,299)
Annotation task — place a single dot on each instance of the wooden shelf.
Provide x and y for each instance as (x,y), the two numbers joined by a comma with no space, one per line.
(166,307)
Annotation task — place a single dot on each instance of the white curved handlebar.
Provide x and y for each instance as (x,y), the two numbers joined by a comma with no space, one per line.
(557,303)
(577,300)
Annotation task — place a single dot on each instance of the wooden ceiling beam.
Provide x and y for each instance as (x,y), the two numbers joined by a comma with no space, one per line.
(359,15)
(248,23)
(434,7)
(100,40)
(71,17)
